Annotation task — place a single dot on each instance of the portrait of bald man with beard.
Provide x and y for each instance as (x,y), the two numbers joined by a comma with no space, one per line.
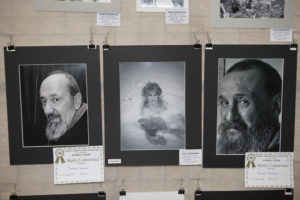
(66,114)
(249,101)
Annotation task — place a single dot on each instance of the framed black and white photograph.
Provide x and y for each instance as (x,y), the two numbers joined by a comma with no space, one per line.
(102,6)
(85,196)
(149,114)
(246,195)
(49,91)
(252,13)
(160,5)
(249,104)
(48,106)
(152,101)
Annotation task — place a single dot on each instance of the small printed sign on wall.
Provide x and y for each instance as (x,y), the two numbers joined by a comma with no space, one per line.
(177,16)
(108,19)
(190,156)
(281,35)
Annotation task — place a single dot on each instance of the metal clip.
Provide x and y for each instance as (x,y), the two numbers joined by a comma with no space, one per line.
(101,193)
(10,45)
(181,188)
(294,45)
(197,44)
(288,191)
(105,43)
(122,190)
(198,191)
(91,42)
(14,195)
(209,45)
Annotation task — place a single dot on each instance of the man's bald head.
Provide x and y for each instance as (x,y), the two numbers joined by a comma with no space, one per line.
(71,82)
(270,76)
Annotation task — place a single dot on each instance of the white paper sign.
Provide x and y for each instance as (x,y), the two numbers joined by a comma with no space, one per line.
(281,35)
(108,19)
(190,157)
(266,169)
(95,1)
(177,16)
(78,164)
(114,161)
(100,1)
(152,196)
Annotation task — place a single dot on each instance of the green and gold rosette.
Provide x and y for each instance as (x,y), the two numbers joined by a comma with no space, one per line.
(59,156)
(251,159)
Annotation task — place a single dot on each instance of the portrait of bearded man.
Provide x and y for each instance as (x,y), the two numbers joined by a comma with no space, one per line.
(249,103)
(66,114)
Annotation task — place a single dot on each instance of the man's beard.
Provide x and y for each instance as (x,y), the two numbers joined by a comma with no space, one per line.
(237,138)
(56,126)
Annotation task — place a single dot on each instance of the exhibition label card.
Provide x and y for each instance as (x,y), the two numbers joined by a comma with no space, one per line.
(190,157)
(108,19)
(281,35)
(173,195)
(78,164)
(266,169)
(177,16)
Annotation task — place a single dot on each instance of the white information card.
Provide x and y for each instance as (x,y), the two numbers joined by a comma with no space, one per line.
(177,16)
(78,164)
(268,169)
(108,19)
(281,35)
(152,196)
(190,157)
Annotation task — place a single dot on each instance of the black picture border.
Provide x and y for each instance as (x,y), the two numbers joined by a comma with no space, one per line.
(159,53)
(49,55)
(87,196)
(246,195)
(210,159)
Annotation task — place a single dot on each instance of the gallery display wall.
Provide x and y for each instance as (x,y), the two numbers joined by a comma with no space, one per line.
(40,28)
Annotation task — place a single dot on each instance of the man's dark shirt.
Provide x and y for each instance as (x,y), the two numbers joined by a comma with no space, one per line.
(76,135)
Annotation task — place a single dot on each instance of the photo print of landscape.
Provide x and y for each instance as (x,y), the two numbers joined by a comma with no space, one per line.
(252,8)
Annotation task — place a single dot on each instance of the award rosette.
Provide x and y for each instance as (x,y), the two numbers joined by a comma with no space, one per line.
(59,156)
(251,159)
